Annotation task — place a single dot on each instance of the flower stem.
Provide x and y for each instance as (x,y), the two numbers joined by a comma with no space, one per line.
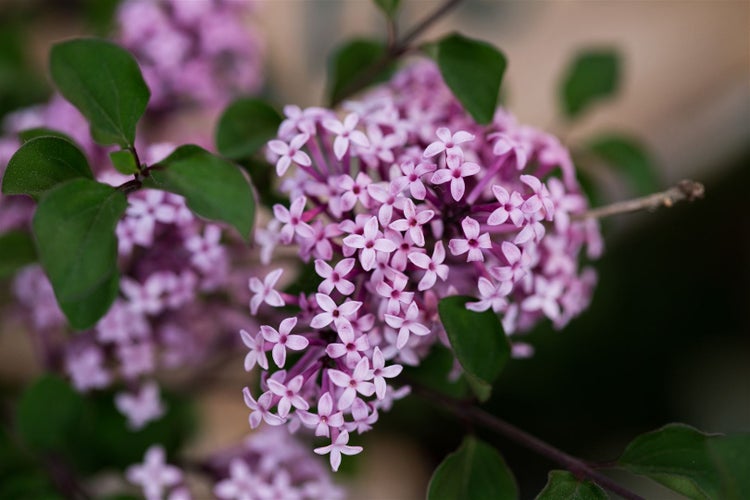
(685,190)
(394,51)
(478,416)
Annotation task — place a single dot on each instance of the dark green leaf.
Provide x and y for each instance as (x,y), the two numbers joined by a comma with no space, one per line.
(389,7)
(476,471)
(629,158)
(124,161)
(33,133)
(697,465)
(213,187)
(592,76)
(478,341)
(104,82)
(350,63)
(245,127)
(473,70)
(47,412)
(434,373)
(43,163)
(562,485)
(74,227)
(16,251)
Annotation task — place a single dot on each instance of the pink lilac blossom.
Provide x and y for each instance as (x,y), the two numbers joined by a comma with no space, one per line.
(443,207)
(154,475)
(199,52)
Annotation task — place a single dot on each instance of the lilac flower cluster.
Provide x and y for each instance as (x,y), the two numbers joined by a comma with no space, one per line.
(270,464)
(403,202)
(196,51)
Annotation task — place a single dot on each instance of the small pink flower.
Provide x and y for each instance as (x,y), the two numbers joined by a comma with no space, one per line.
(282,340)
(414,176)
(338,315)
(433,267)
(447,142)
(338,447)
(380,372)
(350,346)
(289,394)
(264,292)
(413,221)
(368,243)
(292,219)
(325,417)
(389,195)
(455,172)
(509,207)
(407,322)
(154,475)
(289,153)
(142,407)
(473,243)
(353,384)
(261,409)
(257,353)
(335,277)
(345,133)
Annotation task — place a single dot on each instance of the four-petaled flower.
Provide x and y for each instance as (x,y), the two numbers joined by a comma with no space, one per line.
(455,172)
(154,475)
(261,409)
(324,419)
(264,291)
(289,153)
(369,242)
(335,277)
(474,242)
(283,340)
(289,394)
(355,383)
(292,219)
(413,221)
(345,133)
(433,267)
(338,447)
(447,142)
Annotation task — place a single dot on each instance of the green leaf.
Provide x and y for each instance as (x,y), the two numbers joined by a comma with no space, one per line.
(32,133)
(592,76)
(74,227)
(16,251)
(389,7)
(246,126)
(104,82)
(562,485)
(43,163)
(213,187)
(628,157)
(473,70)
(47,413)
(697,465)
(124,161)
(476,471)
(478,341)
(350,63)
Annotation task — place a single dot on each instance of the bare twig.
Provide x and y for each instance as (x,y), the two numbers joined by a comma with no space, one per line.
(394,51)
(478,416)
(685,190)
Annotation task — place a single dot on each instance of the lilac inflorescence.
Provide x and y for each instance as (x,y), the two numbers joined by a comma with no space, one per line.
(404,201)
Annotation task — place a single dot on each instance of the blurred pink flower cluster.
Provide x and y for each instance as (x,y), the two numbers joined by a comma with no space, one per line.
(397,203)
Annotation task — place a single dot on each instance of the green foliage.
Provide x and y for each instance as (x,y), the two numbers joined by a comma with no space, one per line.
(74,228)
(43,163)
(629,158)
(562,485)
(697,465)
(105,83)
(478,341)
(476,471)
(350,62)
(124,161)
(213,187)
(473,70)
(246,126)
(48,414)
(33,133)
(16,251)
(88,433)
(592,76)
(389,7)
(434,372)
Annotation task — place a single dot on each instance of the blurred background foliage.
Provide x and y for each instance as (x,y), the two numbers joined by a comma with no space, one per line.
(667,337)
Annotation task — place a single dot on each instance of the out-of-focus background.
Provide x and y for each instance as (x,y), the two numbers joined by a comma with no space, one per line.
(667,337)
